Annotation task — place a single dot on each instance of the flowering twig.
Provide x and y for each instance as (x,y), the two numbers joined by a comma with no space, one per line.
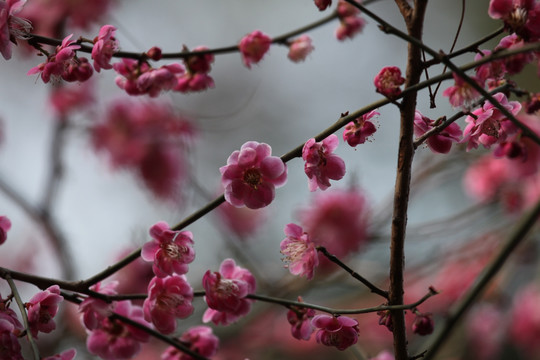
(334,259)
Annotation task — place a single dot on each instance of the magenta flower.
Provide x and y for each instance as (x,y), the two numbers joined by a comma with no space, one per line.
(358,131)
(300,48)
(67,99)
(168,298)
(112,339)
(340,332)
(251,176)
(199,339)
(5,225)
(300,320)
(462,94)
(441,142)
(489,125)
(42,308)
(226,293)
(322,4)
(320,164)
(65,355)
(170,251)
(253,47)
(350,21)
(525,319)
(423,324)
(10,348)
(95,310)
(388,81)
(11,27)
(515,64)
(520,16)
(105,46)
(299,251)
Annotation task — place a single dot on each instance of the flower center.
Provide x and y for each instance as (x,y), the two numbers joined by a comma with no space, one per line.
(253,177)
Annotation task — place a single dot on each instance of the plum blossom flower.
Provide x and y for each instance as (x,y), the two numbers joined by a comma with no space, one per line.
(251,176)
(64,355)
(338,220)
(515,64)
(489,125)
(66,99)
(104,47)
(5,225)
(11,26)
(168,298)
(226,293)
(170,251)
(485,330)
(300,48)
(42,308)
(388,81)
(300,320)
(525,319)
(113,339)
(441,142)
(350,21)
(322,4)
(299,251)
(423,324)
(199,339)
(95,310)
(358,131)
(520,16)
(340,332)
(462,94)
(196,77)
(253,47)
(320,164)
(10,348)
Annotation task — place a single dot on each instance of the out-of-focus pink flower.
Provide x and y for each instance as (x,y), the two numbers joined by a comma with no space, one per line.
(320,164)
(10,348)
(485,330)
(105,46)
(323,4)
(42,308)
(525,320)
(69,98)
(65,355)
(169,298)
(242,221)
(340,332)
(299,251)
(388,81)
(519,16)
(350,21)
(300,320)
(358,131)
(253,47)
(112,339)
(226,293)
(462,94)
(441,142)
(5,225)
(170,251)
(492,71)
(489,125)
(515,64)
(251,175)
(423,324)
(300,48)
(337,220)
(384,355)
(199,339)
(148,138)
(95,310)
(11,27)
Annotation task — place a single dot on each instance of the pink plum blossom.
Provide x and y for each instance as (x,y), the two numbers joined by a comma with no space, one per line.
(525,319)
(300,320)
(104,47)
(441,142)
(10,348)
(338,220)
(253,47)
(67,99)
(299,251)
(226,293)
(170,251)
(11,27)
(65,355)
(423,324)
(322,4)
(169,298)
(462,94)
(350,23)
(485,330)
(42,308)
(251,176)
(94,310)
(358,131)
(5,225)
(340,332)
(196,77)
(388,81)
(519,16)
(515,64)
(113,339)
(489,125)
(300,48)
(199,339)
(321,165)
